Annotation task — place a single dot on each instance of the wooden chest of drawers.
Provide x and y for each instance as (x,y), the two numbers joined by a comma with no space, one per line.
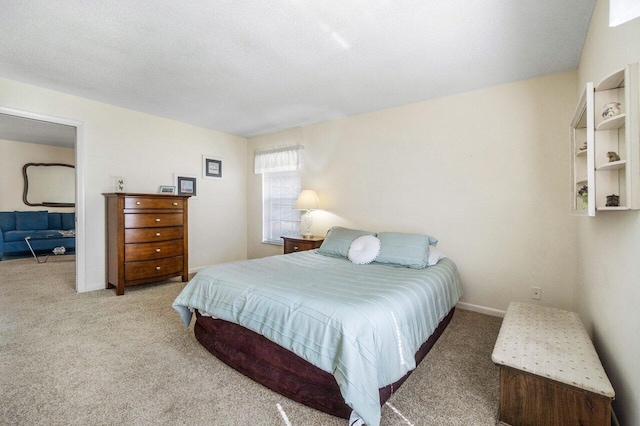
(147,238)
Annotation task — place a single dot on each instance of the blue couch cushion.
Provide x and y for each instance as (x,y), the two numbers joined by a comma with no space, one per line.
(20,235)
(8,221)
(68,221)
(55,221)
(29,221)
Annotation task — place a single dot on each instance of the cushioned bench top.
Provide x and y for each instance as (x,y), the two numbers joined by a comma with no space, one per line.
(551,343)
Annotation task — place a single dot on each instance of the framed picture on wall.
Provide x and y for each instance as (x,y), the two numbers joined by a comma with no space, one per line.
(186,184)
(211,167)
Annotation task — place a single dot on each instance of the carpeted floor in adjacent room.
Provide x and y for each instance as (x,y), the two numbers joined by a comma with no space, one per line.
(94,358)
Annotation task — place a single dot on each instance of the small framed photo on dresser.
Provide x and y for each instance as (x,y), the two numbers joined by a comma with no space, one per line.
(186,184)
(211,167)
(167,190)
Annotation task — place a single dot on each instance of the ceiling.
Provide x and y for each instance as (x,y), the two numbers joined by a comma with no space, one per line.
(253,67)
(20,129)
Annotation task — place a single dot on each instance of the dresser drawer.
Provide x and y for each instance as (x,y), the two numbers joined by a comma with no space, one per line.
(294,246)
(148,251)
(152,203)
(150,220)
(142,235)
(152,268)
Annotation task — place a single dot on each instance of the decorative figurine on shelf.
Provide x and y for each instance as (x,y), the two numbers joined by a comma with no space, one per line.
(613,200)
(584,146)
(611,109)
(584,194)
(118,183)
(613,156)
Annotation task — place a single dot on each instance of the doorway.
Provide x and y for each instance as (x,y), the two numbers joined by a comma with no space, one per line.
(44,122)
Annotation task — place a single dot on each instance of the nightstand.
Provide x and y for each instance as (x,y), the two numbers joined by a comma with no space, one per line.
(294,244)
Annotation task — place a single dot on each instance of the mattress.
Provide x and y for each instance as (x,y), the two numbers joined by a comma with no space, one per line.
(361,323)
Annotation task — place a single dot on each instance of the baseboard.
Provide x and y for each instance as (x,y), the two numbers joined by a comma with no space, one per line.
(614,419)
(101,286)
(481,309)
(196,269)
(90,287)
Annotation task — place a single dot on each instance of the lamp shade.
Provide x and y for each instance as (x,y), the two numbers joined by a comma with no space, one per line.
(308,200)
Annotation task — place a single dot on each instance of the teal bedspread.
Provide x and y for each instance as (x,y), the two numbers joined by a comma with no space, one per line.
(361,323)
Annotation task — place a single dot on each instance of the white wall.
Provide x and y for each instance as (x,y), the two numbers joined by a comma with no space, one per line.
(486,172)
(147,150)
(609,243)
(13,156)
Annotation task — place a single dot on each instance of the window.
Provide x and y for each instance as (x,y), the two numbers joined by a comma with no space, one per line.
(280,191)
(280,168)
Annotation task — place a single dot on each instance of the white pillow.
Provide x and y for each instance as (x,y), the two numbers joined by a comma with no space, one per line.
(434,256)
(364,250)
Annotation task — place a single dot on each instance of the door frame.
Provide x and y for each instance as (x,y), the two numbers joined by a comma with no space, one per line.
(80,194)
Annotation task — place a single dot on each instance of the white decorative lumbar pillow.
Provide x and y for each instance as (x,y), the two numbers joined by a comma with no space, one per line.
(364,250)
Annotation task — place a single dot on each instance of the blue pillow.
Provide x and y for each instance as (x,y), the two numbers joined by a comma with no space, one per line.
(7,221)
(54,221)
(338,240)
(32,221)
(405,250)
(68,221)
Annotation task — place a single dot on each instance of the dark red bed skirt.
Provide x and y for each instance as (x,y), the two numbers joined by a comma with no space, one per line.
(282,371)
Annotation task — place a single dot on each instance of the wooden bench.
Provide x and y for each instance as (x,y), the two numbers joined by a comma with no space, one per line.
(550,373)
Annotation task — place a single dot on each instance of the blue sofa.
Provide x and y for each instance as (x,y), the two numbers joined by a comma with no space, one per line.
(15,226)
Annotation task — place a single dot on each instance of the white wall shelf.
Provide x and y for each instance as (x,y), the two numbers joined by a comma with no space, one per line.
(614,165)
(612,81)
(612,123)
(582,166)
(619,134)
(619,208)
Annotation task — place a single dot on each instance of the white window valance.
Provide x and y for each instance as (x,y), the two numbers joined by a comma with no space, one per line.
(280,159)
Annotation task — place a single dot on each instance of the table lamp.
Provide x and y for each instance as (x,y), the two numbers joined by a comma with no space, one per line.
(307,200)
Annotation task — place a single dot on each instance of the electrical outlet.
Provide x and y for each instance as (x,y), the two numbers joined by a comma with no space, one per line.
(536,293)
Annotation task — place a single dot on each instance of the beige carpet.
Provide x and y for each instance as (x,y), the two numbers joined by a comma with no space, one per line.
(94,358)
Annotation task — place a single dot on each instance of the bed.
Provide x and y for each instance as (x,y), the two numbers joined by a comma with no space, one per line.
(335,335)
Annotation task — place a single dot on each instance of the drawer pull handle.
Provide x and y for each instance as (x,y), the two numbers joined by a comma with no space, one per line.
(295,248)
(137,203)
(175,204)
(157,250)
(157,268)
(158,220)
(157,234)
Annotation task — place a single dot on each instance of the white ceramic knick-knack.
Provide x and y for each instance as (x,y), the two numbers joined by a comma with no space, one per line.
(611,109)
(118,183)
